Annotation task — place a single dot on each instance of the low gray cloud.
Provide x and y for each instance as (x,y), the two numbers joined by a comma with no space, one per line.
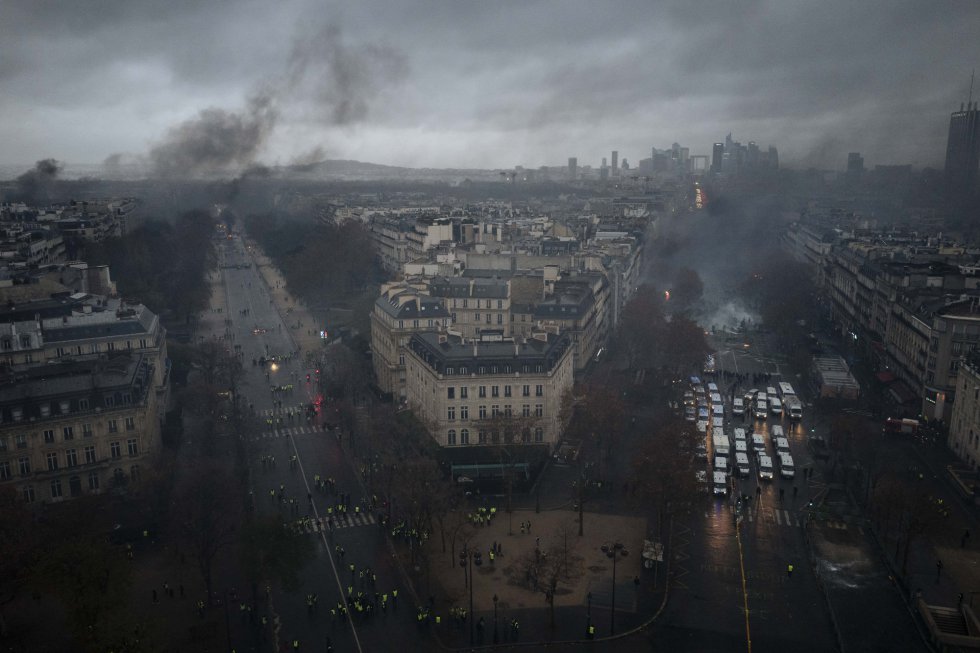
(490,84)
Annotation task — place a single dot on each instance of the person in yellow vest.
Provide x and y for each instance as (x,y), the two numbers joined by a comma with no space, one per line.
(591,631)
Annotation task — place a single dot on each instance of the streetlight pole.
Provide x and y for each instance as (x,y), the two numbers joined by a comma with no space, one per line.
(467,558)
(495,638)
(614,551)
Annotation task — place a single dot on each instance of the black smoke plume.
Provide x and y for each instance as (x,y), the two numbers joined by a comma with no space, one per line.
(325,80)
(34,186)
(337,80)
(216,140)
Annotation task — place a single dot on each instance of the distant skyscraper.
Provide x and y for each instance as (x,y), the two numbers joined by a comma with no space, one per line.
(604,164)
(855,162)
(963,149)
(572,167)
(717,152)
(615,160)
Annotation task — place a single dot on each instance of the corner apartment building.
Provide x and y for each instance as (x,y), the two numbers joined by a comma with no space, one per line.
(467,390)
(400,311)
(83,391)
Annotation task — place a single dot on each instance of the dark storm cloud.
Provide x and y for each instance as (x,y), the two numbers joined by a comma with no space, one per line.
(490,83)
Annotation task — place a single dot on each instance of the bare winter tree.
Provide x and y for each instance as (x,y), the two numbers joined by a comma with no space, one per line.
(206,514)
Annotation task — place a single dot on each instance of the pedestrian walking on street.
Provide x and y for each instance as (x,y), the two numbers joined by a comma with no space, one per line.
(939,569)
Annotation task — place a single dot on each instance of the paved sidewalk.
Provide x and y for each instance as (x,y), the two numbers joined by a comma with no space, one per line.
(509,580)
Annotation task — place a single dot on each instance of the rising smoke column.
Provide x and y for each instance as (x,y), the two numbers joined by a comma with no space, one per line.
(325,80)
(34,186)
(337,82)
(216,140)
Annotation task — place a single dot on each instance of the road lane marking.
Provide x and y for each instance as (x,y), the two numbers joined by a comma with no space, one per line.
(323,538)
(745,594)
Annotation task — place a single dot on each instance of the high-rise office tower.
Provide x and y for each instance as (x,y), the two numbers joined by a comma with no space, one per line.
(963,149)
(615,160)
(717,152)
(572,167)
(773,157)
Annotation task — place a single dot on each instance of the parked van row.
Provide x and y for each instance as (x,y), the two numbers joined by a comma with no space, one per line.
(731,454)
(772,401)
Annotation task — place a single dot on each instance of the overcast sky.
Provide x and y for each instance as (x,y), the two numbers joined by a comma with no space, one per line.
(479,83)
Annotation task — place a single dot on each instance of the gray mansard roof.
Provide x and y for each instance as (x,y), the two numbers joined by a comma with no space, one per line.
(441,351)
(479,287)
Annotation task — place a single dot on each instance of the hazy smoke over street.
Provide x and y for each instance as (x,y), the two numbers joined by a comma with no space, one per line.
(736,226)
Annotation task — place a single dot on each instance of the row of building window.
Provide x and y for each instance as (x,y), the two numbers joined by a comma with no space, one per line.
(95,348)
(489,318)
(500,304)
(71,458)
(464,411)
(68,433)
(65,407)
(464,391)
(26,342)
(495,369)
(416,325)
(57,489)
(484,436)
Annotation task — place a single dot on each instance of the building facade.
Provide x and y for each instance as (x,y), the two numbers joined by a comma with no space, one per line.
(475,304)
(84,385)
(963,149)
(487,392)
(399,312)
(78,427)
(964,425)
